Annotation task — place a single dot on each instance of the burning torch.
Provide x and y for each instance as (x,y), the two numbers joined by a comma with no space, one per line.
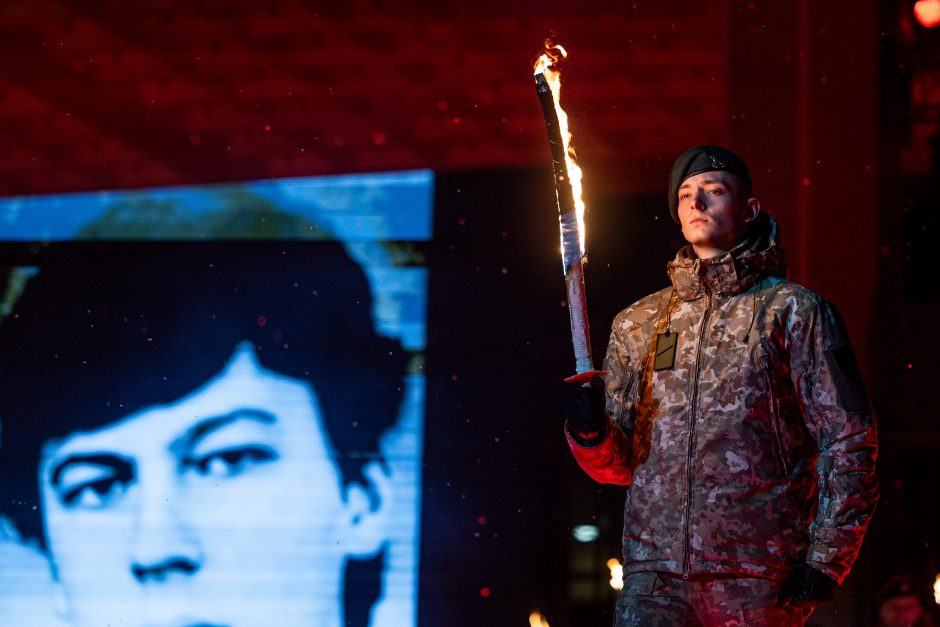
(570,205)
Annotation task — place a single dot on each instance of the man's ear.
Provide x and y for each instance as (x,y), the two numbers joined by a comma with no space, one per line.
(751,210)
(365,508)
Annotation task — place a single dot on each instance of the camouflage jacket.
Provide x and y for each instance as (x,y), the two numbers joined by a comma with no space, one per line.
(755,451)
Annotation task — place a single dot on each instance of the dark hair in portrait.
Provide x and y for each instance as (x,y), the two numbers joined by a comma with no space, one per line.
(105,330)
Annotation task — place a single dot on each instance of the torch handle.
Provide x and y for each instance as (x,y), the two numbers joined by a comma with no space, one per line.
(580,330)
(572,257)
(577,311)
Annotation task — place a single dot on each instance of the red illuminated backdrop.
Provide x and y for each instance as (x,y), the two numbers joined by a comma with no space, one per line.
(128,95)
(121,95)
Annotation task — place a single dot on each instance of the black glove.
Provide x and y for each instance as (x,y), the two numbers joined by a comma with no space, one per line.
(584,409)
(806,587)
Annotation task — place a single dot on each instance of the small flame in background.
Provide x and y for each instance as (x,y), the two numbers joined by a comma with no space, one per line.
(927,12)
(537,620)
(936,590)
(548,65)
(616,573)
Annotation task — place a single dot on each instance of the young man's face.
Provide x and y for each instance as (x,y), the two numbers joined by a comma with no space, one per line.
(714,212)
(221,509)
(901,611)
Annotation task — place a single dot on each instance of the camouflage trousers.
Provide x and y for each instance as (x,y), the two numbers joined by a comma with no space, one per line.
(659,600)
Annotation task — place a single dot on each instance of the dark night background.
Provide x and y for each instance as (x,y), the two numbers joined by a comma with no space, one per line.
(835,105)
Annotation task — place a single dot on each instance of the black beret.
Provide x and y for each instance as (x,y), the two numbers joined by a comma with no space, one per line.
(700,159)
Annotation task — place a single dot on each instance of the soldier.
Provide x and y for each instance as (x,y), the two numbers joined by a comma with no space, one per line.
(736,416)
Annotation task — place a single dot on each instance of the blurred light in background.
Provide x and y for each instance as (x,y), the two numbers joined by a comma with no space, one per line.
(936,590)
(616,573)
(586,533)
(927,12)
(537,620)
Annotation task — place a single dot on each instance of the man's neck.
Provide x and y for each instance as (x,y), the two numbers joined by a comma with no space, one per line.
(707,252)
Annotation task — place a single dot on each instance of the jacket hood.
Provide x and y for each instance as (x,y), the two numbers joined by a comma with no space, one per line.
(735,271)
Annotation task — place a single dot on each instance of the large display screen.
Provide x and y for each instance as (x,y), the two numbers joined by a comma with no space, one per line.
(211,412)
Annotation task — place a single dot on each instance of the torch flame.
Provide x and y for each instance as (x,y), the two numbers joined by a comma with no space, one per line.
(548,65)
(551,57)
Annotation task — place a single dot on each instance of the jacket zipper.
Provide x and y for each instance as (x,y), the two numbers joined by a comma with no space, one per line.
(692,420)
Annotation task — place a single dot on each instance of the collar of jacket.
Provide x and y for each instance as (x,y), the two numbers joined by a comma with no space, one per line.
(733,272)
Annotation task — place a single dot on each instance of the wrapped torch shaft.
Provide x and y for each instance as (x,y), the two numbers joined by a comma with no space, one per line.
(572,259)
